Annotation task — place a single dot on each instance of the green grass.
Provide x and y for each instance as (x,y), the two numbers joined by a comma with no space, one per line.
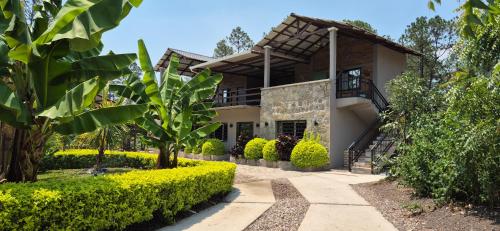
(67,174)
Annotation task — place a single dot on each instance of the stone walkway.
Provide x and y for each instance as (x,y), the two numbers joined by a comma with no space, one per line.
(334,205)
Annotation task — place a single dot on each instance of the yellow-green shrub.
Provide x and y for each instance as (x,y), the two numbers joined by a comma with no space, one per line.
(269,151)
(111,202)
(309,154)
(86,158)
(253,149)
(213,147)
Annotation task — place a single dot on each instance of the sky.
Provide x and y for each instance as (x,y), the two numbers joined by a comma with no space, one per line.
(196,26)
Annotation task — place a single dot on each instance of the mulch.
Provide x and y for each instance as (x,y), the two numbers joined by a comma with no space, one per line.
(399,205)
(287,212)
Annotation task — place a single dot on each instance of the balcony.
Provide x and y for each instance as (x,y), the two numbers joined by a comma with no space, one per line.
(349,86)
(238,97)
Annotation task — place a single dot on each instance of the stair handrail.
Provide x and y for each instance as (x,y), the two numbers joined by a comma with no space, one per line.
(356,147)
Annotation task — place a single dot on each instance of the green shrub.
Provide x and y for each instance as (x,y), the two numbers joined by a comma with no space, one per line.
(111,202)
(213,147)
(269,151)
(309,154)
(188,150)
(197,148)
(253,149)
(86,158)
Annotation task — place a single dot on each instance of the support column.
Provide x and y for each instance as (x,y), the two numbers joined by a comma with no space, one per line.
(334,157)
(267,66)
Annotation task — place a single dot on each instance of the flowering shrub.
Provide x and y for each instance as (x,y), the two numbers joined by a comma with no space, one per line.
(111,202)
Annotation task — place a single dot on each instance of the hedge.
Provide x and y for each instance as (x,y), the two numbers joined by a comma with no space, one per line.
(213,147)
(86,158)
(269,151)
(309,154)
(111,202)
(253,149)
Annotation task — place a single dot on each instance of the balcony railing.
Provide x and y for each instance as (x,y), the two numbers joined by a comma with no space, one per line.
(356,86)
(241,96)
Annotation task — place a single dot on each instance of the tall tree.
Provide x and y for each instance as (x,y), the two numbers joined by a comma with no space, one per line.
(222,49)
(361,24)
(433,38)
(237,41)
(50,74)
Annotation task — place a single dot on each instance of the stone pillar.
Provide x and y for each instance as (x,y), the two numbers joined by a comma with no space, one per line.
(333,89)
(267,65)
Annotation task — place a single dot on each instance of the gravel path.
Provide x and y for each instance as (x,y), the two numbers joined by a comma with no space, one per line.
(288,211)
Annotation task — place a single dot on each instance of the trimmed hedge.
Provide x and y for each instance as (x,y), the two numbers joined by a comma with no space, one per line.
(309,154)
(111,202)
(269,151)
(213,147)
(86,158)
(253,149)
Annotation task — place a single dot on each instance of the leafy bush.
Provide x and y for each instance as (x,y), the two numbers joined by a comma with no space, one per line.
(213,147)
(188,150)
(239,148)
(111,202)
(197,148)
(86,158)
(253,149)
(309,154)
(453,151)
(284,146)
(269,152)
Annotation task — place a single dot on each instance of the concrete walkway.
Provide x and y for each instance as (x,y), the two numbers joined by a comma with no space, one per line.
(241,207)
(334,205)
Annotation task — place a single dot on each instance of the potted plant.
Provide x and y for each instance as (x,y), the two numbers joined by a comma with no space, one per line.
(284,147)
(238,149)
(215,149)
(270,155)
(253,150)
(309,155)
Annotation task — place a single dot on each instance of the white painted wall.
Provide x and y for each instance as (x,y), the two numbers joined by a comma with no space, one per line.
(388,65)
(232,115)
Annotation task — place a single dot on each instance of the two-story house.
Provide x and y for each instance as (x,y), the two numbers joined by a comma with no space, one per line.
(307,74)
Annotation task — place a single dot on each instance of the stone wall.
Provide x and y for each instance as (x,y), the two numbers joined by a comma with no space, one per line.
(309,101)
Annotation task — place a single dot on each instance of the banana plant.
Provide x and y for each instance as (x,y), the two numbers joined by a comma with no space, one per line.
(51,72)
(180,112)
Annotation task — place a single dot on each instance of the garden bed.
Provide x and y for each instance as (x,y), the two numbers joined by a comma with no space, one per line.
(111,201)
(408,212)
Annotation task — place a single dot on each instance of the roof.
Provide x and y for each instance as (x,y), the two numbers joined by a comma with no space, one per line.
(302,36)
(186,60)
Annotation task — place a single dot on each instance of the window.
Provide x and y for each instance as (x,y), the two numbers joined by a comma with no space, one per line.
(220,133)
(292,128)
(244,128)
(350,79)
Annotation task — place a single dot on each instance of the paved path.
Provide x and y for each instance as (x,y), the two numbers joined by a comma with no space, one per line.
(334,205)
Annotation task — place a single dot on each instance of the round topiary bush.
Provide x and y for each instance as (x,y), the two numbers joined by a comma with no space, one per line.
(188,150)
(269,151)
(309,154)
(213,147)
(253,149)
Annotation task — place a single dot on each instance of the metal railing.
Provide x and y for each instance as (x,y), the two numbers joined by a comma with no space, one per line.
(381,147)
(356,86)
(248,96)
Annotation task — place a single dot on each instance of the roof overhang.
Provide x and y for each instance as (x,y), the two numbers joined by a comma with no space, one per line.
(186,60)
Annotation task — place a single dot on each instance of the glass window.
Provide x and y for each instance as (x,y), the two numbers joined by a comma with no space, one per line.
(292,128)
(244,128)
(220,133)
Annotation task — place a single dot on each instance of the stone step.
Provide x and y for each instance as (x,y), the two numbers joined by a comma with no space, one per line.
(361,170)
(362,164)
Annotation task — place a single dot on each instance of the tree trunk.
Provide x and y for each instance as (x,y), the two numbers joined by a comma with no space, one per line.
(22,151)
(99,157)
(162,161)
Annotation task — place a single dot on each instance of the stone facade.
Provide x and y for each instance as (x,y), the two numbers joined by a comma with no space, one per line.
(309,101)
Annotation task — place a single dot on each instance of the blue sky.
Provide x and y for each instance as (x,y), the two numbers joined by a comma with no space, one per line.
(196,26)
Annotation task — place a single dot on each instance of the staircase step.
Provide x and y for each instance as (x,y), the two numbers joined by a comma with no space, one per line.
(361,170)
(362,164)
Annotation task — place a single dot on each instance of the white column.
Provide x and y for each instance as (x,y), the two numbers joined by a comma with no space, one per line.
(333,93)
(267,65)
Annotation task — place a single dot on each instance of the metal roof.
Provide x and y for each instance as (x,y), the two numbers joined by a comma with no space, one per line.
(186,60)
